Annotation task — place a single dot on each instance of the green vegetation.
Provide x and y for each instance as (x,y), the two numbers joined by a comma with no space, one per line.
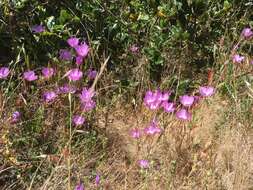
(130,94)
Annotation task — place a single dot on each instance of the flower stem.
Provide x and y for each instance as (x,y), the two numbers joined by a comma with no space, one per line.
(70,138)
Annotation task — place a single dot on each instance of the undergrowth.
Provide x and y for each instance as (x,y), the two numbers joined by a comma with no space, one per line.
(126,95)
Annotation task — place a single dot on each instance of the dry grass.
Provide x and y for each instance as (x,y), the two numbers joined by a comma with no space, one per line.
(234,159)
(213,152)
(209,156)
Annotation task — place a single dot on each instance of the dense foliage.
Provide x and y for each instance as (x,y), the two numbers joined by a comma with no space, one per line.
(156,26)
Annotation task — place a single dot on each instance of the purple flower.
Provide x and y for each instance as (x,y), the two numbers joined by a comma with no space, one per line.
(88,106)
(247,33)
(30,75)
(237,58)
(79,187)
(82,50)
(4,72)
(206,91)
(49,96)
(154,99)
(186,100)
(74,74)
(86,99)
(38,28)
(152,129)
(73,41)
(149,98)
(47,72)
(65,89)
(183,114)
(134,48)
(92,74)
(251,62)
(65,55)
(165,96)
(143,164)
(168,107)
(97,180)
(135,133)
(78,120)
(86,95)
(15,117)
(79,60)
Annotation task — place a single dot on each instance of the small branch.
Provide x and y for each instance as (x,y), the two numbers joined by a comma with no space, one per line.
(100,73)
(3,170)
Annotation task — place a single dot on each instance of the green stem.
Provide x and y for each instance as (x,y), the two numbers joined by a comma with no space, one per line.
(70,138)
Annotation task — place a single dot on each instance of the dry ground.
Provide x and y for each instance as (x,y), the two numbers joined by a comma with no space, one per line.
(213,153)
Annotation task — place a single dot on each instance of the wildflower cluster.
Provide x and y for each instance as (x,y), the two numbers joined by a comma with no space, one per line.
(155,100)
(150,130)
(87,94)
(68,83)
(86,99)
(246,34)
(81,50)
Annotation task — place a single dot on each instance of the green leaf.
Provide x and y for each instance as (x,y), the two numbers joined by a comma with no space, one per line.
(64,16)
(143,17)
(226,5)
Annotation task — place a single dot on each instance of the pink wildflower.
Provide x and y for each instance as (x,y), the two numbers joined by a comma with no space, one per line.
(78,120)
(237,58)
(73,41)
(153,128)
(154,99)
(49,96)
(88,106)
(65,89)
(135,133)
(30,75)
(144,164)
(92,74)
(79,60)
(82,50)
(79,187)
(4,72)
(206,91)
(247,33)
(97,180)
(186,100)
(15,117)
(47,72)
(74,74)
(183,114)
(86,95)
(168,106)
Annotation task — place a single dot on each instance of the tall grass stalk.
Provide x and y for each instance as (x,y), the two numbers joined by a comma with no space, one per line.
(70,139)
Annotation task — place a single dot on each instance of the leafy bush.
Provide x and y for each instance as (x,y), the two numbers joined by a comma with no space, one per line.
(179,27)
